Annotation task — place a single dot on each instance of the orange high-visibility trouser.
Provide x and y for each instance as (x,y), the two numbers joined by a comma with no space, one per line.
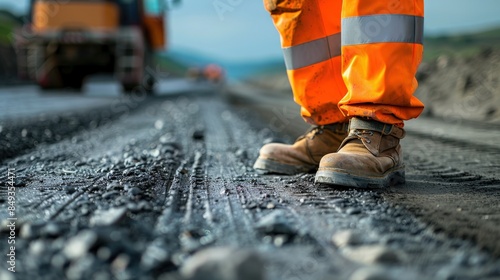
(348,58)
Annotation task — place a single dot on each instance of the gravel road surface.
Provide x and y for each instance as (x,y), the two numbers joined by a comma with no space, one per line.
(162,188)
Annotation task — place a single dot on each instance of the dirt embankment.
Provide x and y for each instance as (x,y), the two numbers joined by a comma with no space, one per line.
(462,88)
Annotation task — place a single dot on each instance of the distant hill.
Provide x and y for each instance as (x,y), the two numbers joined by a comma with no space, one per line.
(8,16)
(463,45)
(244,70)
(187,57)
(234,70)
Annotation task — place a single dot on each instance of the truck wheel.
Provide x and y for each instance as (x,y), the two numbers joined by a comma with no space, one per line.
(149,84)
(49,77)
(72,78)
(73,82)
(129,88)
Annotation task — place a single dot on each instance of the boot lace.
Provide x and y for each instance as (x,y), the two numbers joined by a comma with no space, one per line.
(316,130)
(364,134)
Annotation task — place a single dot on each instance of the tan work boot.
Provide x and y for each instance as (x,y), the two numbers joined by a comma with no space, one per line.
(369,157)
(304,155)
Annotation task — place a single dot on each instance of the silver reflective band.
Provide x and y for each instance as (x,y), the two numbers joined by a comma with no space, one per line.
(382,29)
(312,52)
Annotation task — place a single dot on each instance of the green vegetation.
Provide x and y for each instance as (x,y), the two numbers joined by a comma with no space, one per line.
(463,45)
(8,22)
(5,32)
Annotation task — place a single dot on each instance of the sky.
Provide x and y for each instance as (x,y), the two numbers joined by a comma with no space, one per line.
(241,30)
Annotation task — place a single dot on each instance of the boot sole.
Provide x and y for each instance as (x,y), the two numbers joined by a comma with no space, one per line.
(266,166)
(392,177)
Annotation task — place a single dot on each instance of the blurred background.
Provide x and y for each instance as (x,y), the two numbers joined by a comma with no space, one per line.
(237,41)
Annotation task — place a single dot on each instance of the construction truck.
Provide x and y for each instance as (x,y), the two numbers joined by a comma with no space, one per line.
(67,40)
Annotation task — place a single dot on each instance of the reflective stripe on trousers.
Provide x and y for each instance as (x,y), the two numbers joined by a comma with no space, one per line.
(371,74)
(312,52)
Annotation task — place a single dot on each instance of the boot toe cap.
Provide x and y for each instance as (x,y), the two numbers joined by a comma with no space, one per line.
(356,164)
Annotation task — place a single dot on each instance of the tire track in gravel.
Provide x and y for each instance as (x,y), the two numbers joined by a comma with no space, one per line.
(454,188)
(247,197)
(223,170)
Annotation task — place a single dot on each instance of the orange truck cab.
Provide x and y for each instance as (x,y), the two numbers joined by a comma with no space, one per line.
(71,39)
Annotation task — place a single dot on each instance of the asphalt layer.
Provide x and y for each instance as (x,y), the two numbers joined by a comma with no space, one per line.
(166,191)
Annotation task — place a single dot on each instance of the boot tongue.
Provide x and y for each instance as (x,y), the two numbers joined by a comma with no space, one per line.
(374,141)
(362,140)
(356,146)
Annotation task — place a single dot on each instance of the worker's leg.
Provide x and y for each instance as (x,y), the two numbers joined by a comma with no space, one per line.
(310,37)
(381,50)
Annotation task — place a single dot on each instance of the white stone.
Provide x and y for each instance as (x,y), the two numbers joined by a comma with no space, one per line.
(80,244)
(108,217)
(346,238)
(374,254)
(223,263)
